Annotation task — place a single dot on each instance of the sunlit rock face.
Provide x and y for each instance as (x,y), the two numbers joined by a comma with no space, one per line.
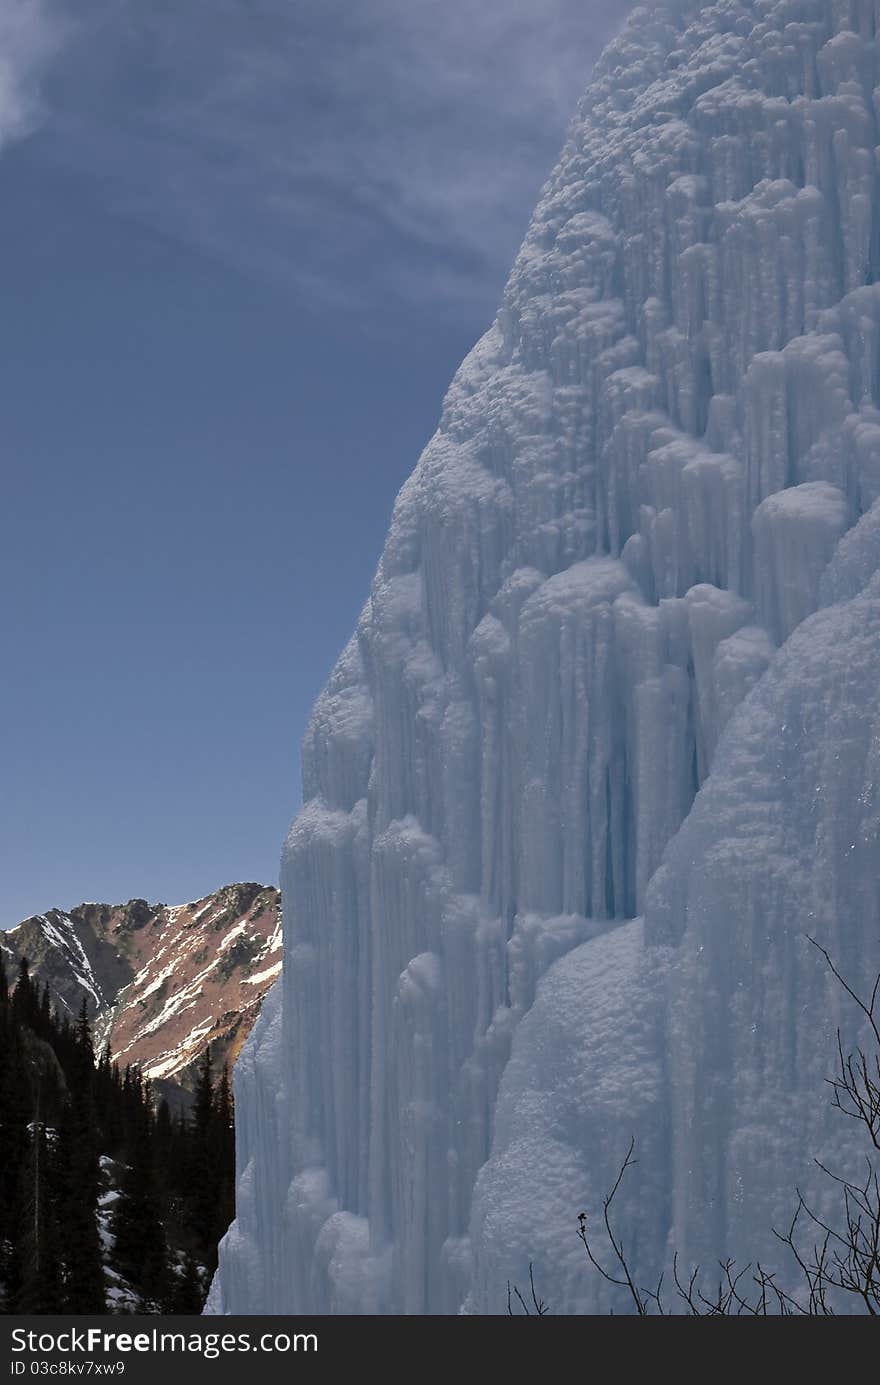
(604,747)
(161,983)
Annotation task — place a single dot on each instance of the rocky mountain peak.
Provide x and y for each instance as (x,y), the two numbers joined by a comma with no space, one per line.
(160,981)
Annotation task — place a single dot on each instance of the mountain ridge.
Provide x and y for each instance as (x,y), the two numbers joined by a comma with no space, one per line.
(160,981)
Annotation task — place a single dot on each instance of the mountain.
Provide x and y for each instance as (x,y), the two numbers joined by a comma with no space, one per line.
(160,982)
(605,747)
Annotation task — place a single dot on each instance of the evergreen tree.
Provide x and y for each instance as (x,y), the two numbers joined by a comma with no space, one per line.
(44,1015)
(16,1107)
(163,1140)
(24,1000)
(206,1214)
(203,1106)
(225,1153)
(140,1250)
(59,1110)
(189,1292)
(84,1038)
(108,1102)
(80,1181)
(40,1288)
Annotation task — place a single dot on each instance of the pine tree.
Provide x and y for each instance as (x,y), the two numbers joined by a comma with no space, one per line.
(108,1102)
(140,1248)
(163,1140)
(205,1191)
(24,1000)
(44,1014)
(80,1181)
(225,1153)
(40,1288)
(16,1106)
(203,1106)
(189,1292)
(84,1038)
(179,1170)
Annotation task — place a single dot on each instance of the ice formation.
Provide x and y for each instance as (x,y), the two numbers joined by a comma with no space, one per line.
(605,746)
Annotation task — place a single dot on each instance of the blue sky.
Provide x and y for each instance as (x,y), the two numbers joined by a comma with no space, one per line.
(245,243)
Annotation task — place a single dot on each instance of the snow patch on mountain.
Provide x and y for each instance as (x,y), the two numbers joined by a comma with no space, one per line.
(159,982)
(59,930)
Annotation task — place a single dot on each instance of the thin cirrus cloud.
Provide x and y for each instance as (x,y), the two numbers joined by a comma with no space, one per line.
(31,34)
(351,152)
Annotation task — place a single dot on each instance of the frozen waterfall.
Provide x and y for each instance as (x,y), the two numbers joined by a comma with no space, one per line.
(605,745)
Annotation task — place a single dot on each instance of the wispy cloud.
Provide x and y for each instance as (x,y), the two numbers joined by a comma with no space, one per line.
(392,147)
(31,32)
